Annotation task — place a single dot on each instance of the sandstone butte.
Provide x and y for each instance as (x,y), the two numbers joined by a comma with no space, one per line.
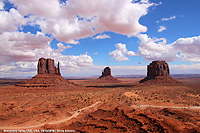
(48,76)
(158,73)
(106,77)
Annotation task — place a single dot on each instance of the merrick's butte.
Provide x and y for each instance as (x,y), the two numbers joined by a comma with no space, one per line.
(48,102)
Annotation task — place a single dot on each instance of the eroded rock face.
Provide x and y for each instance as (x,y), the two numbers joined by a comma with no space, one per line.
(46,66)
(157,68)
(106,72)
(158,73)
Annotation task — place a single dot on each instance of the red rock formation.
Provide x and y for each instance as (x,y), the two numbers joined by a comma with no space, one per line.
(158,73)
(46,66)
(106,77)
(48,76)
(106,72)
(157,68)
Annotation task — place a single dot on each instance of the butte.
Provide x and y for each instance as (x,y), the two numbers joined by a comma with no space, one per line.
(106,77)
(158,73)
(48,76)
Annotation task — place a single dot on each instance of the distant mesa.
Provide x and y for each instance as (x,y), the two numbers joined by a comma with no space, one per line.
(158,73)
(48,76)
(106,77)
(106,72)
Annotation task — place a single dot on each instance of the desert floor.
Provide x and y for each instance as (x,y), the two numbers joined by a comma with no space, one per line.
(101,107)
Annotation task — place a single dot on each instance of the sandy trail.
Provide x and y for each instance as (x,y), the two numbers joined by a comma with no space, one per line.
(56,122)
(152,106)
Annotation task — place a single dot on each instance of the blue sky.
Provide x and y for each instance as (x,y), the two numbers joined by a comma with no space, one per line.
(87,35)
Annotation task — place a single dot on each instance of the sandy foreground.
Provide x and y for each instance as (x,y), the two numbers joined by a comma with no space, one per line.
(102,107)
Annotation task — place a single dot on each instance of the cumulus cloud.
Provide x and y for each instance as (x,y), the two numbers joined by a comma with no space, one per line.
(131,53)
(20,46)
(66,31)
(120,52)
(155,49)
(11,21)
(19,52)
(187,49)
(62,47)
(161,28)
(101,36)
(73,42)
(46,8)
(68,22)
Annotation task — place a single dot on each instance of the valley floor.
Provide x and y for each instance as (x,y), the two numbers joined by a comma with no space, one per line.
(103,107)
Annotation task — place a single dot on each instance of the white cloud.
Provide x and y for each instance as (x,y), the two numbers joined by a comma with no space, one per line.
(121,17)
(101,36)
(19,50)
(161,28)
(155,49)
(131,53)
(120,52)
(166,19)
(73,21)
(11,21)
(19,46)
(118,56)
(44,8)
(66,31)
(61,47)
(73,42)
(187,49)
